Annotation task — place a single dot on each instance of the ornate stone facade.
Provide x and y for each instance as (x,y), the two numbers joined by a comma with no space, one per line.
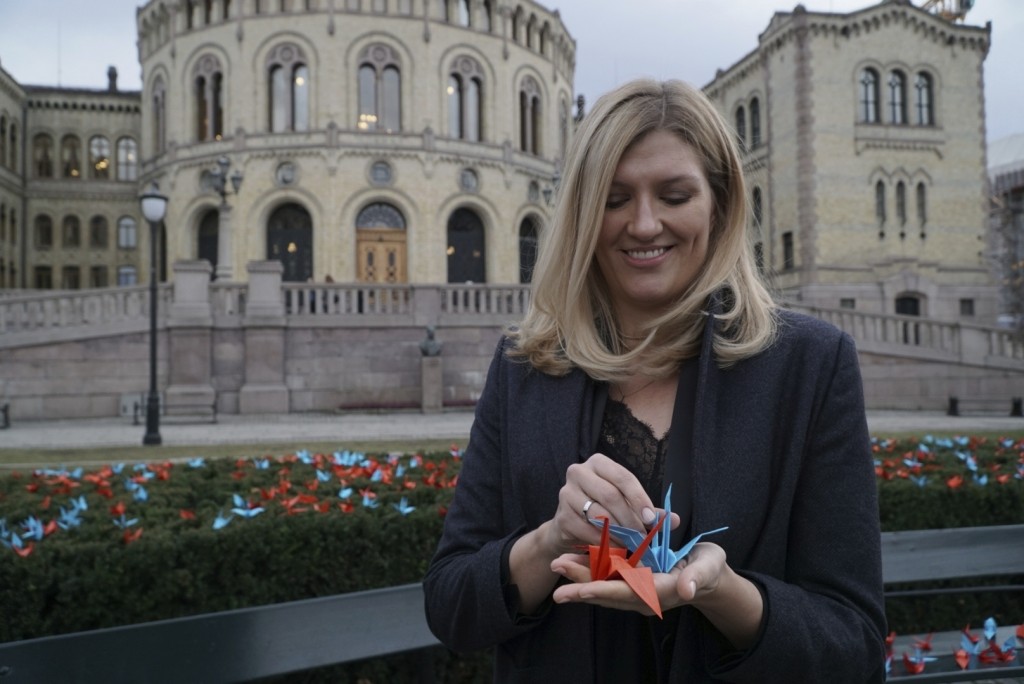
(377,140)
(865,150)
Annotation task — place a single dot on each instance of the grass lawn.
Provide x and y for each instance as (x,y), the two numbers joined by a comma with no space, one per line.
(21,458)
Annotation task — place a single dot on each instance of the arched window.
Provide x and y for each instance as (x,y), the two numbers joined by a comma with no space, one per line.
(901,202)
(71,233)
(3,140)
(127,159)
(380,90)
(880,202)
(445,14)
(869,96)
(207,238)
(288,82)
(923,86)
(531,31)
(527,248)
(755,123)
(466,248)
(897,98)
(42,155)
(43,232)
(741,127)
(98,232)
(465,95)
(529,116)
(13,153)
(99,157)
(922,206)
(290,241)
(563,129)
(486,24)
(159,115)
(127,233)
(70,156)
(517,20)
(464,16)
(757,206)
(208,85)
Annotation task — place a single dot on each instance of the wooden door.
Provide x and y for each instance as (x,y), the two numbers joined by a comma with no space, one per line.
(382,256)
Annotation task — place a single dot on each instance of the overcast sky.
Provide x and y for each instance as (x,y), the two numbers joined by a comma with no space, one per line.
(72,42)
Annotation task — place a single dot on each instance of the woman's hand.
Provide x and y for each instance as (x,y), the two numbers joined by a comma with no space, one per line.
(703,580)
(697,576)
(613,492)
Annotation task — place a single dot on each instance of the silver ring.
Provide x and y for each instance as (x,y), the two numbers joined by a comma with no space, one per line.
(586,507)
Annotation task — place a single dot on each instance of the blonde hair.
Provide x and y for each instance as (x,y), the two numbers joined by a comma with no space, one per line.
(570,322)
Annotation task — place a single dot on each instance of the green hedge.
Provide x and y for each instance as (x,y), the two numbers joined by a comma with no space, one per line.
(311,541)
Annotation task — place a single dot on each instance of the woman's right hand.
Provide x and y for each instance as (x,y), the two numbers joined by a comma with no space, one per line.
(613,492)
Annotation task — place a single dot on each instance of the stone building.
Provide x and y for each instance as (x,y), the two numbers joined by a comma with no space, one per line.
(12,117)
(864,141)
(1006,245)
(373,140)
(68,186)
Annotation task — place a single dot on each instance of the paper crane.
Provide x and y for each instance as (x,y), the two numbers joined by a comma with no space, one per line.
(657,555)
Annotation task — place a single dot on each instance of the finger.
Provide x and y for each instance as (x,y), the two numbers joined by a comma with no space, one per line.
(573,566)
(616,489)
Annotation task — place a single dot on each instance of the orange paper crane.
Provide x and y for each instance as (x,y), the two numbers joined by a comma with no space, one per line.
(607,563)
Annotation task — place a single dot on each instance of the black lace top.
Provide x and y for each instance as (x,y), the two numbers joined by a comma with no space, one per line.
(632,443)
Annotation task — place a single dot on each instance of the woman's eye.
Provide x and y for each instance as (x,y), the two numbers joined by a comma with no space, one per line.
(614,202)
(675,200)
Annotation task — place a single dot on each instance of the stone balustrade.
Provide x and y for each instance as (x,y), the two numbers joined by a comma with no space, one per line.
(40,318)
(266,346)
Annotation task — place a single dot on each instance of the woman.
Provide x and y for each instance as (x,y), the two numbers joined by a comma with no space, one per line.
(653,356)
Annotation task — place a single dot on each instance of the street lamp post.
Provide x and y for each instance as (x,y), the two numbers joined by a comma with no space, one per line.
(219,179)
(154,207)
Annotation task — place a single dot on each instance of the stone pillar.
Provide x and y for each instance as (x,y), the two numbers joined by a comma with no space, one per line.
(190,348)
(264,389)
(431,384)
(225,245)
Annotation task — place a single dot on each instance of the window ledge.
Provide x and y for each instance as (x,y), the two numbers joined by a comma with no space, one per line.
(891,137)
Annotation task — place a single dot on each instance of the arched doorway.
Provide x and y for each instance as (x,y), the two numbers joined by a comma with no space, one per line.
(466,249)
(290,241)
(207,237)
(380,244)
(527,248)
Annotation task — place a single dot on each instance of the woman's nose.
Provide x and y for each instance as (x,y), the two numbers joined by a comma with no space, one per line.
(645,219)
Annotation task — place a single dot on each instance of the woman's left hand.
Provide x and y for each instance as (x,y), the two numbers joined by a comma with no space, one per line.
(693,578)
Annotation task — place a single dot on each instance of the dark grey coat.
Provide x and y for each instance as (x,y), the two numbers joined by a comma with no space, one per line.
(781,456)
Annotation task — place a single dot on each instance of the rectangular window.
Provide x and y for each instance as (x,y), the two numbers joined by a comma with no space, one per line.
(43,278)
(847,303)
(70,278)
(98,276)
(967,307)
(126,275)
(788,262)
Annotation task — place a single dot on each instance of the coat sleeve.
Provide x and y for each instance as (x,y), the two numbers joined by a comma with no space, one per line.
(825,619)
(468,605)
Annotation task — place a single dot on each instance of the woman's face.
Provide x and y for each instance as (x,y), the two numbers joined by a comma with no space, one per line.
(656,225)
